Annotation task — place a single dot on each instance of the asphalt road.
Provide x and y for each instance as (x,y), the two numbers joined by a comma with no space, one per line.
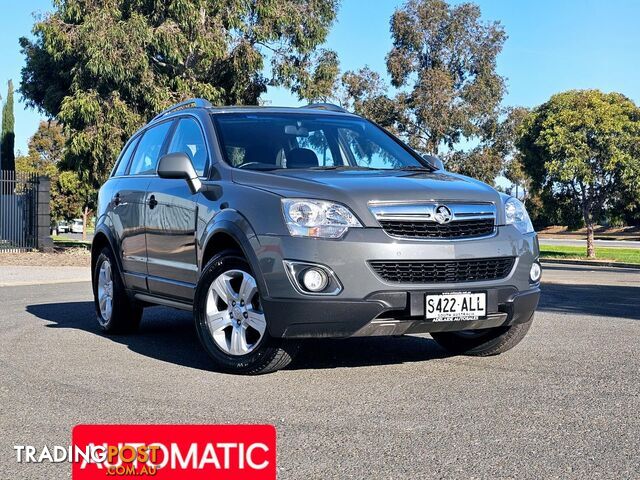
(583,243)
(563,404)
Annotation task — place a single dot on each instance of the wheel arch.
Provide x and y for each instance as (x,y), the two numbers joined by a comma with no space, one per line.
(101,239)
(233,231)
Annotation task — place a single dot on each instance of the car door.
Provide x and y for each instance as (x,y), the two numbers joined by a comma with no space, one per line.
(126,198)
(129,196)
(171,219)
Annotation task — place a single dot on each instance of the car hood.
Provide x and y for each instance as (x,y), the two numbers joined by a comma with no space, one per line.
(356,188)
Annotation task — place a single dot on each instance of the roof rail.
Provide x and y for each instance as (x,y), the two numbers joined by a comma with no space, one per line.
(326,106)
(192,102)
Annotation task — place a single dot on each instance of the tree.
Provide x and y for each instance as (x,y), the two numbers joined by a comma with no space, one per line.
(505,143)
(45,151)
(584,143)
(72,198)
(103,68)
(365,93)
(317,77)
(443,61)
(7,139)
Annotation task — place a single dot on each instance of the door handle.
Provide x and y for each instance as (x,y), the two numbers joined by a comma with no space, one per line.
(152,201)
(116,199)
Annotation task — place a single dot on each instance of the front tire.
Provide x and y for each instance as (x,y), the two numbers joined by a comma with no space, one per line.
(230,322)
(485,342)
(115,311)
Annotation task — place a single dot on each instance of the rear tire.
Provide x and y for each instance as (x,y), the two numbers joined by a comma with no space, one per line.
(229,319)
(485,342)
(115,311)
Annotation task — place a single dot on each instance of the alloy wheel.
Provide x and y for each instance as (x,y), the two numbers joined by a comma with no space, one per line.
(105,291)
(234,315)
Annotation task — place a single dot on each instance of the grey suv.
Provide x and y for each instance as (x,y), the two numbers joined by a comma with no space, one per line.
(276,224)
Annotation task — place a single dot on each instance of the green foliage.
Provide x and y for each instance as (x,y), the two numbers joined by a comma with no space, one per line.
(547,207)
(45,151)
(7,136)
(483,163)
(317,78)
(45,154)
(444,61)
(103,68)
(443,66)
(505,144)
(364,92)
(584,144)
(70,195)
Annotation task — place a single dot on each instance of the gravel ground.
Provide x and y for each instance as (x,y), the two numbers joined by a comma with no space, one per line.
(563,404)
(63,257)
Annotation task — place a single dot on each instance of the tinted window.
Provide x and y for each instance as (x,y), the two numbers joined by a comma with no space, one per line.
(188,139)
(146,158)
(125,157)
(318,143)
(268,141)
(366,151)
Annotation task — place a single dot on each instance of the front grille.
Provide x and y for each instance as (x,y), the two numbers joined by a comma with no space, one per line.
(456,229)
(443,271)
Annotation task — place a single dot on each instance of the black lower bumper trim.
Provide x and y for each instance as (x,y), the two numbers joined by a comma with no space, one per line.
(386,313)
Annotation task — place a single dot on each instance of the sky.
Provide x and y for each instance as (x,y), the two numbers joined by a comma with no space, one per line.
(552,46)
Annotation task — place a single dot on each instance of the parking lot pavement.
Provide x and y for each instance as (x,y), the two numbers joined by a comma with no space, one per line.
(563,404)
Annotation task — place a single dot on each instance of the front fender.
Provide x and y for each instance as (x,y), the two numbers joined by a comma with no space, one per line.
(232,223)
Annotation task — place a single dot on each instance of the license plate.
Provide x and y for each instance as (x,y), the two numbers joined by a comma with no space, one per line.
(456,307)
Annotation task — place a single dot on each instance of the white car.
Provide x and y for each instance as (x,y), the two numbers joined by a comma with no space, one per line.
(76,225)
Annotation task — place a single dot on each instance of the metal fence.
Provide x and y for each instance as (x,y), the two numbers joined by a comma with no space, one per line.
(18,211)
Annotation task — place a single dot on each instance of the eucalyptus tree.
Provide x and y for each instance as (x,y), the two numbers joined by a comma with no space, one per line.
(102,68)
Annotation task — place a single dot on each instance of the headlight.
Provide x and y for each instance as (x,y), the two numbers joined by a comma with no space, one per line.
(317,218)
(517,215)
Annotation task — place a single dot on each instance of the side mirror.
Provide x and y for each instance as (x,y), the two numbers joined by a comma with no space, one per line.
(434,161)
(178,166)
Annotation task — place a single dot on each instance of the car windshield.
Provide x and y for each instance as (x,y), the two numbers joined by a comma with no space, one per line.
(271,141)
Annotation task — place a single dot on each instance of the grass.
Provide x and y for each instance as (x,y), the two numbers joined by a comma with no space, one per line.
(623,255)
(59,241)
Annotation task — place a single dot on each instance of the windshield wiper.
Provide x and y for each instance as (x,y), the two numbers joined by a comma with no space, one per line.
(343,167)
(415,168)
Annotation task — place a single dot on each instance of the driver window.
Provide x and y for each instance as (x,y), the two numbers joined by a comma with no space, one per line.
(147,154)
(188,139)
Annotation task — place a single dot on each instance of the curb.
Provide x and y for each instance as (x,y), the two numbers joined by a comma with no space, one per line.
(35,282)
(593,263)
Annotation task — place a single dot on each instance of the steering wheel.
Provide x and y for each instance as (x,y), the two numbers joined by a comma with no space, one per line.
(244,165)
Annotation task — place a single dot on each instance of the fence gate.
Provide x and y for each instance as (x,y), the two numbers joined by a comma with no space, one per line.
(18,211)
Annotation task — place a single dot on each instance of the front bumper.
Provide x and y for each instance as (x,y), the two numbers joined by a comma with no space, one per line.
(368,305)
(388,313)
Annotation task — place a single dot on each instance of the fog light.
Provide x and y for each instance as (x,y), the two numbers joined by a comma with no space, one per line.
(535,273)
(315,279)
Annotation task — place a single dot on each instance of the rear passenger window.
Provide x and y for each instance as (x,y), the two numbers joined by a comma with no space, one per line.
(188,139)
(145,161)
(125,157)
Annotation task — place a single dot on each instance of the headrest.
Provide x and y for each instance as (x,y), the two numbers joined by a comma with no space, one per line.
(302,158)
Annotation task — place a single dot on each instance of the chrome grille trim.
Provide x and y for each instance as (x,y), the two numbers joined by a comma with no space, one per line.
(399,214)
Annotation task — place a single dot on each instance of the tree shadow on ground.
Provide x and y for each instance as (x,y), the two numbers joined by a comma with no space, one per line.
(169,335)
(602,300)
